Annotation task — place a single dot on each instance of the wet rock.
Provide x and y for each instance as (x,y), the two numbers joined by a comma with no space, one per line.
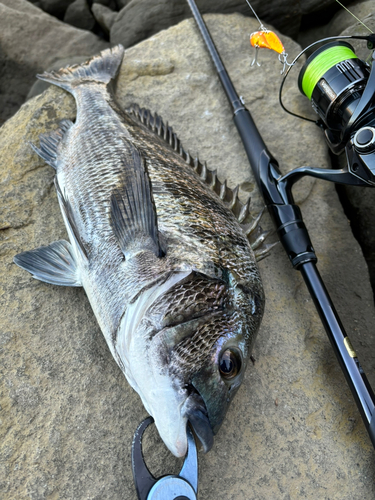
(78,14)
(139,19)
(30,41)
(67,411)
(104,16)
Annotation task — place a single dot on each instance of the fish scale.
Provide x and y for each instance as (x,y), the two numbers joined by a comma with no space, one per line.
(156,243)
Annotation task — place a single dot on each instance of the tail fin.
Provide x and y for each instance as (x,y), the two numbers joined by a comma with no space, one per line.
(100,68)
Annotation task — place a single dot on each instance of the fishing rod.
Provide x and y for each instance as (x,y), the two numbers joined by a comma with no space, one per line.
(357,137)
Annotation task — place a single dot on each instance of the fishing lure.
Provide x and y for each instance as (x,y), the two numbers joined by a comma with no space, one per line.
(267,39)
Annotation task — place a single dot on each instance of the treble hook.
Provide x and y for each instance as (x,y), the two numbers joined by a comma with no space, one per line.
(255,60)
(283,59)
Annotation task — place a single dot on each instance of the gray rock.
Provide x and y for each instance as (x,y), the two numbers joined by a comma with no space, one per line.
(56,8)
(68,415)
(139,19)
(310,6)
(40,86)
(343,19)
(78,14)
(360,46)
(111,4)
(104,16)
(30,41)
(123,3)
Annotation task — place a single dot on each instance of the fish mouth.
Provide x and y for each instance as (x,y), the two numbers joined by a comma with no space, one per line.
(196,413)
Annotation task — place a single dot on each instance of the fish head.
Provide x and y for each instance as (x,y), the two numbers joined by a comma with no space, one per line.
(198,333)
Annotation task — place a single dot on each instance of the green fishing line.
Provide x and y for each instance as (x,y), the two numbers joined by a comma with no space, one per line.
(322,63)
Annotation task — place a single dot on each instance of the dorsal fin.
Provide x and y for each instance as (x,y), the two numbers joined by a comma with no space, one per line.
(230,198)
(163,130)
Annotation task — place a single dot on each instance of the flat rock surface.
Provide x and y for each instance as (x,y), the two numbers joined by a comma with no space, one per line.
(67,413)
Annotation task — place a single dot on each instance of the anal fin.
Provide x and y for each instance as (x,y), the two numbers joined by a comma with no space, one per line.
(54,264)
(133,213)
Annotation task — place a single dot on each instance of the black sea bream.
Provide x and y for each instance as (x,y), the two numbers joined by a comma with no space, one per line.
(156,243)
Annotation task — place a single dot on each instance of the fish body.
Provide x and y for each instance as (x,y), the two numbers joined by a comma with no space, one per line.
(167,268)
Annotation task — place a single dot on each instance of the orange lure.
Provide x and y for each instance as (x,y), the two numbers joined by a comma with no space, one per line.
(265,39)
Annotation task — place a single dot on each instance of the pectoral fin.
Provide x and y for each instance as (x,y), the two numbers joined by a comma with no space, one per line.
(53,264)
(133,213)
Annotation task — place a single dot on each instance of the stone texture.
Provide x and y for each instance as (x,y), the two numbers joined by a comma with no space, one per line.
(343,19)
(40,86)
(104,16)
(78,14)
(68,415)
(56,8)
(111,4)
(310,6)
(139,19)
(360,46)
(30,41)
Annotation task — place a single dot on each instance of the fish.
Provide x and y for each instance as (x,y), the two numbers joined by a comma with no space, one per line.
(160,247)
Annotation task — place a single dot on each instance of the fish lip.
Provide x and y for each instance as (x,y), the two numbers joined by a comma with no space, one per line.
(197,415)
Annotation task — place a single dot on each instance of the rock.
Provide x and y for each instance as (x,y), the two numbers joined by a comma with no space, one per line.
(343,19)
(360,46)
(123,3)
(311,6)
(40,86)
(68,414)
(361,212)
(56,8)
(78,14)
(30,41)
(139,19)
(111,4)
(104,16)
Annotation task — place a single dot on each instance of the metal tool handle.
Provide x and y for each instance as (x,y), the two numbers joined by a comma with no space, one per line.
(276,191)
(183,486)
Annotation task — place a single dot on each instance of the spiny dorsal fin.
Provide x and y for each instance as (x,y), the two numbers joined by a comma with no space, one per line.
(227,195)
(49,143)
(53,264)
(230,197)
(133,213)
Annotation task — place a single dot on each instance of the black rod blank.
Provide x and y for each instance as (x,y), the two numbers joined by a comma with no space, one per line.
(286,215)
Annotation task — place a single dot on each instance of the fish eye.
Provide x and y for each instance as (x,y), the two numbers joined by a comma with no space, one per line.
(230,364)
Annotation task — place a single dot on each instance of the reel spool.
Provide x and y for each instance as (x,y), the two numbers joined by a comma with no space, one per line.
(334,79)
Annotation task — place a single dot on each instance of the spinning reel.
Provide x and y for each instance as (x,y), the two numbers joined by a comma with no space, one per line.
(341,88)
